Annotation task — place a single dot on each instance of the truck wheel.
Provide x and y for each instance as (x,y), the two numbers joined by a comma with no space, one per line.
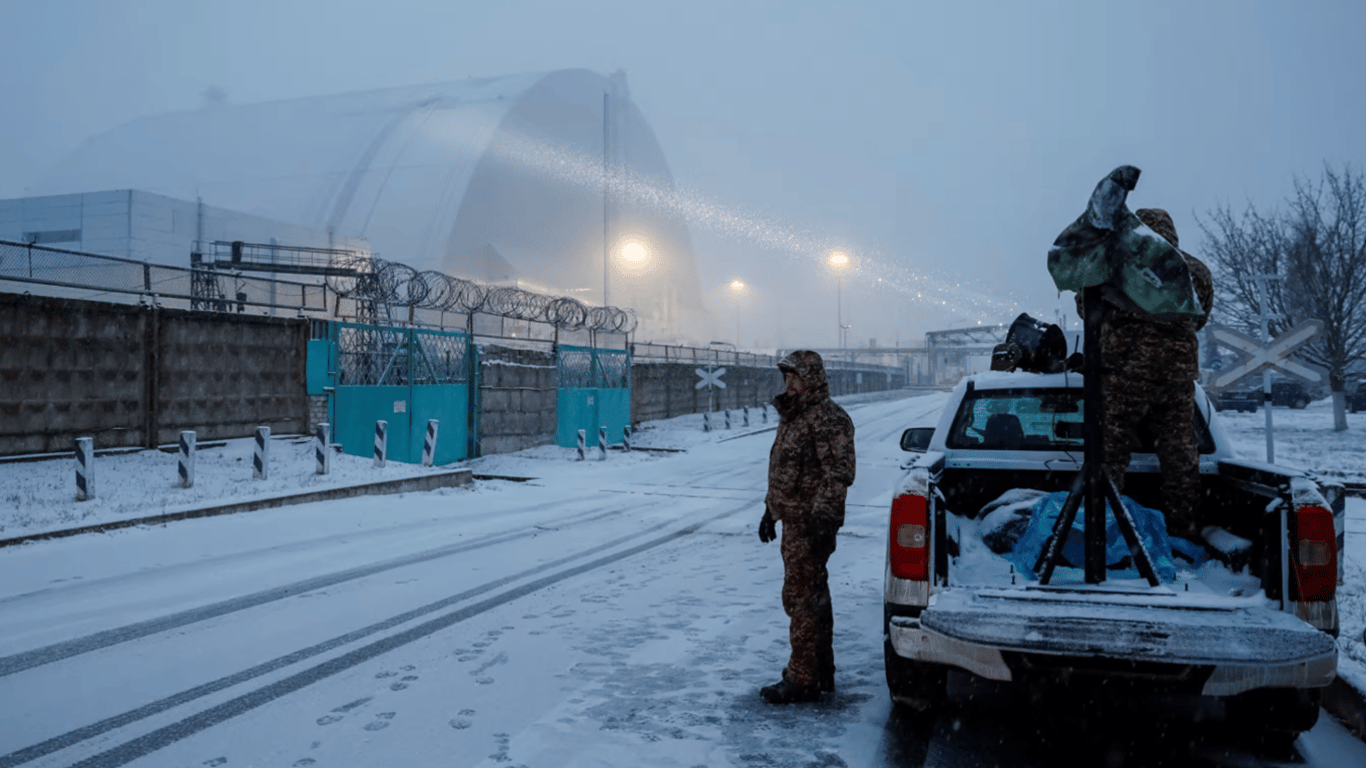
(1302,402)
(1277,714)
(917,685)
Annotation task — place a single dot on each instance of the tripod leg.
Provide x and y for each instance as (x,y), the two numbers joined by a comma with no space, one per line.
(1052,549)
(1126,527)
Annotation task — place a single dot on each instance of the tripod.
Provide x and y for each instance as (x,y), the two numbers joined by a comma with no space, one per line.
(1093,483)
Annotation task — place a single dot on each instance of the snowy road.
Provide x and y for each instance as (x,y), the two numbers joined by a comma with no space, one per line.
(617,613)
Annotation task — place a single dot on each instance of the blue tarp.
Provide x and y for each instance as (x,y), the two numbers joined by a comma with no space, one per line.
(1149,523)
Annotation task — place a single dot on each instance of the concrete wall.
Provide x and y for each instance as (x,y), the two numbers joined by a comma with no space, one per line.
(517,399)
(137,376)
(665,390)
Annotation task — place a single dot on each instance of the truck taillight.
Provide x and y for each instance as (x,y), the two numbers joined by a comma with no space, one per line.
(909,537)
(1314,555)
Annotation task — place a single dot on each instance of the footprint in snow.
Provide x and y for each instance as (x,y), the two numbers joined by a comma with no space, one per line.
(461,723)
(384,674)
(381,721)
(304,762)
(217,761)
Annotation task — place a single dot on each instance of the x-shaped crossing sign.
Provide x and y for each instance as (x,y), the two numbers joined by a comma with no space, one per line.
(1257,357)
(710,378)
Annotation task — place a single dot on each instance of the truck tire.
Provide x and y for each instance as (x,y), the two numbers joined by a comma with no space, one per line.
(916,685)
(1277,715)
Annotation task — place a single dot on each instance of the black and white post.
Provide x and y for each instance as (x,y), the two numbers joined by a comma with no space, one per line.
(185,466)
(602,443)
(322,448)
(381,442)
(429,444)
(727,418)
(85,468)
(260,459)
(626,438)
(706,422)
(583,440)
(764,411)
(746,419)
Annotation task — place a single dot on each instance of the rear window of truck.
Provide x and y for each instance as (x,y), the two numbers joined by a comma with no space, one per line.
(1034,420)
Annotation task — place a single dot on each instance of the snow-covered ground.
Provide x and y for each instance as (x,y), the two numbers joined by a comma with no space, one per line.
(617,612)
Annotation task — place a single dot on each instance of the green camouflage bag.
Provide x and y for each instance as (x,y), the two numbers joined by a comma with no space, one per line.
(1108,246)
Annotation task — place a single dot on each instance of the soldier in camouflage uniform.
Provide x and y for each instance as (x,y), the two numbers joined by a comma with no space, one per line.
(1150,369)
(810,466)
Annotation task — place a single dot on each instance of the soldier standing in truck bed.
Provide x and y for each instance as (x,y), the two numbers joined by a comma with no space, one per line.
(810,467)
(1149,372)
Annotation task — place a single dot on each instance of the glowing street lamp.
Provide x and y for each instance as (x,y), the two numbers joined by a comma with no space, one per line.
(839,261)
(737,291)
(634,253)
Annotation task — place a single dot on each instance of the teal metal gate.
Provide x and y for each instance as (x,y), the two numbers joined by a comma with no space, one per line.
(404,376)
(594,391)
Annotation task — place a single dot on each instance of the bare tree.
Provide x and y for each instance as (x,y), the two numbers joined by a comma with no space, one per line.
(1318,248)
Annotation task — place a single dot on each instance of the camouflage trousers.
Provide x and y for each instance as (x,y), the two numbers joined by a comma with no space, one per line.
(806,599)
(1167,411)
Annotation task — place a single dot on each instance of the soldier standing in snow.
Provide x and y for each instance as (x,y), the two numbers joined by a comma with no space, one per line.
(810,466)
(1150,368)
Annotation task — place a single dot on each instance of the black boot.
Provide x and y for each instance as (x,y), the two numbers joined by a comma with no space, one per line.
(788,692)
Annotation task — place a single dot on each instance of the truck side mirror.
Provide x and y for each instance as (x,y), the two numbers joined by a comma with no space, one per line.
(917,439)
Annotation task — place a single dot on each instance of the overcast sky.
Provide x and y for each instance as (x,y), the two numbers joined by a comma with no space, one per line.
(945,144)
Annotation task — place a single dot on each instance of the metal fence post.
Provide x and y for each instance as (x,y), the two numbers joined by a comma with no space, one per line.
(381,442)
(186,463)
(85,468)
(583,439)
(322,448)
(602,443)
(260,460)
(429,444)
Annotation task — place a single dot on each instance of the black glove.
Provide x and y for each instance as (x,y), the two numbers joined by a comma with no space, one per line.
(767,527)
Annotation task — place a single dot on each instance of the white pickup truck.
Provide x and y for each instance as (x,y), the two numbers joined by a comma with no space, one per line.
(1252,628)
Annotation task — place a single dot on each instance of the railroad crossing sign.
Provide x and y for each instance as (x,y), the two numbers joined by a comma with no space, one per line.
(710,378)
(1258,357)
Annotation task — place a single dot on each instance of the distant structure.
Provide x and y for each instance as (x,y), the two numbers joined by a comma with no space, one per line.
(534,180)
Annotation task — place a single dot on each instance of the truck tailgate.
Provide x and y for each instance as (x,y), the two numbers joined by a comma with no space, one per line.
(1126,626)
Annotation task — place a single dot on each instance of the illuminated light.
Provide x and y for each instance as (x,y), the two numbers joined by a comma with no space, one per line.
(737,285)
(839,259)
(634,252)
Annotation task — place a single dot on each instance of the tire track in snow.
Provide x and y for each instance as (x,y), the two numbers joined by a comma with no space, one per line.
(56,652)
(165,736)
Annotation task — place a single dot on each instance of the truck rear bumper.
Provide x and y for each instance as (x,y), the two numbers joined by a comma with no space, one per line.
(1242,652)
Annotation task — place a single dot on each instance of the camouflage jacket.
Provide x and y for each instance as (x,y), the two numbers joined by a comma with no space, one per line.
(1141,348)
(812,462)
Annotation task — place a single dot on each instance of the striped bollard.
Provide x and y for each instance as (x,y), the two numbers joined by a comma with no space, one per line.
(626,438)
(583,440)
(381,442)
(746,421)
(706,422)
(429,444)
(85,468)
(260,460)
(186,464)
(765,413)
(727,418)
(602,443)
(322,448)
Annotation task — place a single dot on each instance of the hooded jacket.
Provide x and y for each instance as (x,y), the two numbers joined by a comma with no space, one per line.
(812,462)
(1155,352)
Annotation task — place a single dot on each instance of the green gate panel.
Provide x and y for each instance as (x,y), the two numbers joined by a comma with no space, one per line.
(318,366)
(358,408)
(577,410)
(614,412)
(447,403)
